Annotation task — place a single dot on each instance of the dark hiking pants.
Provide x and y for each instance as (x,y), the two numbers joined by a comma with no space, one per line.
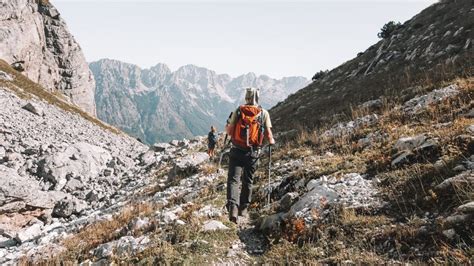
(242,166)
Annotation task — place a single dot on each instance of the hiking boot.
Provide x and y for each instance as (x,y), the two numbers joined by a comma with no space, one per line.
(233,213)
(243,212)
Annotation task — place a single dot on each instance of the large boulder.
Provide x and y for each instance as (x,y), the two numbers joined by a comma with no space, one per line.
(34,108)
(81,160)
(29,234)
(17,192)
(315,199)
(67,207)
(411,149)
(462,180)
(189,164)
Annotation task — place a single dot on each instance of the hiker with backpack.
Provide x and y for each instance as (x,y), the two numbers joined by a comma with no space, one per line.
(248,126)
(211,142)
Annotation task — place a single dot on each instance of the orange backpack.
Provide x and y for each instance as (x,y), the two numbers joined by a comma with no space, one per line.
(248,131)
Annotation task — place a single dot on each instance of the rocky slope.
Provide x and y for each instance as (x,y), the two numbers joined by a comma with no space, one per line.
(159,105)
(433,46)
(392,186)
(35,38)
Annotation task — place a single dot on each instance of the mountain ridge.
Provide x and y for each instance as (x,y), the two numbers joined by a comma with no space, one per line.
(158,104)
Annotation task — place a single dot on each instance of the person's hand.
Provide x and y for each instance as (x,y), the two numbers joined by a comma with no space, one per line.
(271,141)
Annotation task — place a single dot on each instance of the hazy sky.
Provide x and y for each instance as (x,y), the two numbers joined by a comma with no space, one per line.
(277,38)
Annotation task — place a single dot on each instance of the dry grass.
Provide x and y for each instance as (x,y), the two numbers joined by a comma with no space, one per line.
(392,234)
(78,246)
(27,89)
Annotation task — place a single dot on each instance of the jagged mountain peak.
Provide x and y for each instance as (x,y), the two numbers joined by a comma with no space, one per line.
(158,104)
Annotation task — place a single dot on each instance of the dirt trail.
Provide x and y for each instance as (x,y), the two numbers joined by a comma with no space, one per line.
(250,245)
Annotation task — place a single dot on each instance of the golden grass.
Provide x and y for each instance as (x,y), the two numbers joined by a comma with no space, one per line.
(78,245)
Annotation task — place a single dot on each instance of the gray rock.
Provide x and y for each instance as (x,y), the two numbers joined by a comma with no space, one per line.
(93,196)
(168,217)
(450,233)
(287,200)
(161,147)
(29,234)
(312,200)
(148,158)
(470,129)
(39,42)
(208,211)
(410,143)
(31,151)
(411,148)
(350,127)
(104,251)
(63,208)
(14,188)
(372,105)
(183,143)
(458,219)
(5,76)
(403,157)
(126,245)
(272,223)
(418,104)
(81,159)
(467,208)
(35,109)
(463,179)
(470,114)
(174,143)
(189,164)
(139,223)
(73,184)
(214,225)
(108,172)
(6,242)
(459,168)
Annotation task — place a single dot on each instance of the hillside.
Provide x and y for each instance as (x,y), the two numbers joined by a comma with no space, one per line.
(433,46)
(395,185)
(35,39)
(157,104)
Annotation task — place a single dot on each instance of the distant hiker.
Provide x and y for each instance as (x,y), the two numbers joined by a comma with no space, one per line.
(248,126)
(211,142)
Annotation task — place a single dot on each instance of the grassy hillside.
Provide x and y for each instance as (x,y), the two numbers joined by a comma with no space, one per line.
(434,46)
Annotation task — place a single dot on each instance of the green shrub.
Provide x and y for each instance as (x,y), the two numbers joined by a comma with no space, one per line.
(388,29)
(319,75)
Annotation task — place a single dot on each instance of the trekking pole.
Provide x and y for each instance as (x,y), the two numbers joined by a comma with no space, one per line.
(269,173)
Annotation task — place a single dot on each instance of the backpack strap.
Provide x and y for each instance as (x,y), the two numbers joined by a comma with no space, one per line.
(262,123)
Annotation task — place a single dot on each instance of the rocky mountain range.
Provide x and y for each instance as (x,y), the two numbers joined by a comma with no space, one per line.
(157,104)
(435,45)
(35,39)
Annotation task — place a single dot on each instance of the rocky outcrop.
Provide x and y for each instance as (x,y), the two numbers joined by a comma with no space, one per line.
(157,104)
(35,39)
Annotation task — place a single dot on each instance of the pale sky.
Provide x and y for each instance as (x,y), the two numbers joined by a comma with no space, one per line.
(276,38)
